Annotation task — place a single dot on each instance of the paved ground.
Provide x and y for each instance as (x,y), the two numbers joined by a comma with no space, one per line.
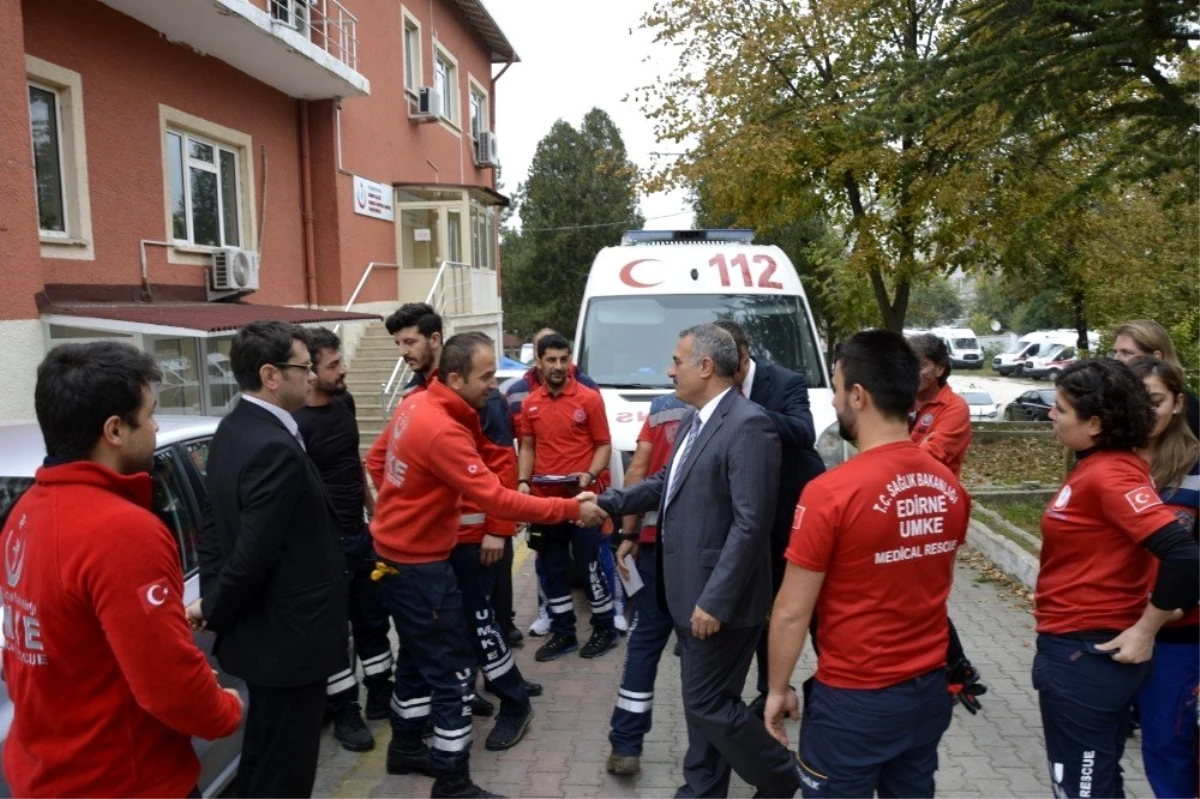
(997,753)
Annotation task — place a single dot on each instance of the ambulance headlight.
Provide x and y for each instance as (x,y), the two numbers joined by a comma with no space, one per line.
(832,448)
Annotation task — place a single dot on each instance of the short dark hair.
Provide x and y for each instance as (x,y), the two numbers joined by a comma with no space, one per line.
(415,314)
(459,351)
(79,386)
(885,366)
(322,338)
(740,339)
(260,343)
(1109,390)
(552,341)
(927,345)
(715,343)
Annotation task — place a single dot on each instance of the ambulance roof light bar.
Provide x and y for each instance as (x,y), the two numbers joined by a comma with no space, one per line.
(727,235)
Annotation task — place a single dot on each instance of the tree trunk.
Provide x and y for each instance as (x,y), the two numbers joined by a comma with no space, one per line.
(1081,326)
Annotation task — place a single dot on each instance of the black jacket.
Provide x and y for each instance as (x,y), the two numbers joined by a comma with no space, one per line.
(783,395)
(271,566)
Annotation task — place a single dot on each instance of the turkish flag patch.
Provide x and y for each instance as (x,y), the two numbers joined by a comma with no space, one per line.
(1142,498)
(798,517)
(154,595)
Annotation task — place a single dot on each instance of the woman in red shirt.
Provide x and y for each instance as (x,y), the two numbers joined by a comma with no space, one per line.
(1100,537)
(1167,699)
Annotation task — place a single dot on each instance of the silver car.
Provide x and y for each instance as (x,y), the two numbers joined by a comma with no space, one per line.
(179,471)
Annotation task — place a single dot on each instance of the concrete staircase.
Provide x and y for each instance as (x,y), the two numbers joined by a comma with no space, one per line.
(374,360)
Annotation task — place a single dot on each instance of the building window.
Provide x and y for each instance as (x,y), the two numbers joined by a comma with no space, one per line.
(412,54)
(59,159)
(479,113)
(204,191)
(44,116)
(445,80)
(483,236)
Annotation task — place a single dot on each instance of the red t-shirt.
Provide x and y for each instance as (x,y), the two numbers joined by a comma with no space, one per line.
(659,432)
(942,426)
(566,427)
(883,527)
(1095,574)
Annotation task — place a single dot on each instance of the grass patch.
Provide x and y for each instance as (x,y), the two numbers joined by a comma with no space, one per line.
(1026,515)
(1011,462)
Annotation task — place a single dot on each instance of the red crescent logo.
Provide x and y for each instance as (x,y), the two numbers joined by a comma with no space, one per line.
(627,274)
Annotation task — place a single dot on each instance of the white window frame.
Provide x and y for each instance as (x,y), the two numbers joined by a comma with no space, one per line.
(75,242)
(412,59)
(189,163)
(453,100)
(175,121)
(475,88)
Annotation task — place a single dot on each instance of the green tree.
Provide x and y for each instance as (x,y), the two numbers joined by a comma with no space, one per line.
(580,196)
(934,302)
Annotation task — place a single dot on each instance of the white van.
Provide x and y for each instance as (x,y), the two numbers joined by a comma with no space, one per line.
(641,294)
(1038,344)
(965,352)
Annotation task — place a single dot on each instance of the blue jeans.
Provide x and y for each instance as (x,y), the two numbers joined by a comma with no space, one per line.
(854,742)
(556,566)
(1167,702)
(648,635)
(1084,696)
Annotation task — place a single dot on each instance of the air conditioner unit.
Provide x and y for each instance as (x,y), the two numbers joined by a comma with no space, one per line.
(429,102)
(485,149)
(233,269)
(293,13)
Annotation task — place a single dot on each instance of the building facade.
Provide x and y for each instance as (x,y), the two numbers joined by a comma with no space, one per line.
(172,170)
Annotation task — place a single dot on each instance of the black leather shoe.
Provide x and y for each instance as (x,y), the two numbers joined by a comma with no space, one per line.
(533,688)
(508,731)
(514,637)
(482,707)
(602,640)
(408,756)
(379,700)
(459,786)
(351,731)
(556,647)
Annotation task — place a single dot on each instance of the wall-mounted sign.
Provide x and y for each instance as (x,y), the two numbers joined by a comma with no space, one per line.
(422,234)
(373,199)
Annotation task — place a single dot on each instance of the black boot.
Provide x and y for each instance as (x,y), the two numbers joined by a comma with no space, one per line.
(458,784)
(350,730)
(408,756)
(379,700)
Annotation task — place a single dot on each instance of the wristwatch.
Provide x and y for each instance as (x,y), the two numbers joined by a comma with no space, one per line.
(592,475)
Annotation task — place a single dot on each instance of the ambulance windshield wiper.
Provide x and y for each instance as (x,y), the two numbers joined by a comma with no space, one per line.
(636,385)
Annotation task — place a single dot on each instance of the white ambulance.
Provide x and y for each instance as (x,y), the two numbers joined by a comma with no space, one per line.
(641,294)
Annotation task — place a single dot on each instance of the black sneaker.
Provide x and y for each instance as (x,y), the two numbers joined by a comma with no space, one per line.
(408,756)
(514,636)
(602,640)
(350,730)
(556,647)
(459,786)
(508,731)
(482,707)
(379,700)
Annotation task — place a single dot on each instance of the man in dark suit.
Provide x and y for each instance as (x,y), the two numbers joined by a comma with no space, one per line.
(716,505)
(783,396)
(271,567)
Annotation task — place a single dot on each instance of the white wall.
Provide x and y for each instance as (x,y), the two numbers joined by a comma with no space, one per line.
(24,348)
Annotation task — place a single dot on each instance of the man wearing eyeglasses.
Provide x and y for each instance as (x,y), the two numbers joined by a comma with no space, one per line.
(271,567)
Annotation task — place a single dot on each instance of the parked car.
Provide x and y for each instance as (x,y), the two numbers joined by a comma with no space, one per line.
(1032,406)
(1051,367)
(981,404)
(179,471)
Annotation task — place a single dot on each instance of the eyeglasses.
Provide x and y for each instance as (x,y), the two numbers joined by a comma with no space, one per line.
(305,366)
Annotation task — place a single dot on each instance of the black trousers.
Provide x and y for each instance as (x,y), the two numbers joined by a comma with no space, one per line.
(368,622)
(283,736)
(500,588)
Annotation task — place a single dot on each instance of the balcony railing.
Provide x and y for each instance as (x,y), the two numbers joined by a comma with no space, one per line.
(326,23)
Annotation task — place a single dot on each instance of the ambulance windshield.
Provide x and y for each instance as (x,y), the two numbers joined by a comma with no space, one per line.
(628,342)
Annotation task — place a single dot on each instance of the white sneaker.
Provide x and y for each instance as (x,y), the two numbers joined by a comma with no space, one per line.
(541,625)
(620,622)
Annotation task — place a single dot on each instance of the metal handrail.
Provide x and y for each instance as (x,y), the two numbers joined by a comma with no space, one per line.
(362,281)
(327,23)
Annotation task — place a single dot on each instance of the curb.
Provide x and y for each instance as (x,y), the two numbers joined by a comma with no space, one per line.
(1006,555)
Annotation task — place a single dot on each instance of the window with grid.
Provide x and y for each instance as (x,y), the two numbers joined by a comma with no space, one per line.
(45,123)
(205,191)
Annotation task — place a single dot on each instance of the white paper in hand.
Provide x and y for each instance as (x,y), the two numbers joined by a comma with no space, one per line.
(634,583)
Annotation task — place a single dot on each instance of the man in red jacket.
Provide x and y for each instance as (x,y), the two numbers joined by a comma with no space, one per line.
(432,462)
(106,681)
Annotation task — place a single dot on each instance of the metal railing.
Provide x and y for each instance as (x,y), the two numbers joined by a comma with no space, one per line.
(449,296)
(326,23)
(362,281)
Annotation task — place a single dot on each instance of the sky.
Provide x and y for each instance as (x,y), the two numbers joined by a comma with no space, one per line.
(576,56)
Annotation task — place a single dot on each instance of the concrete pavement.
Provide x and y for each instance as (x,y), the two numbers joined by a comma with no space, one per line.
(996,753)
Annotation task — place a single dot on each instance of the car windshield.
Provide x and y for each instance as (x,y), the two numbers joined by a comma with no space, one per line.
(1047,395)
(627,342)
(965,344)
(977,397)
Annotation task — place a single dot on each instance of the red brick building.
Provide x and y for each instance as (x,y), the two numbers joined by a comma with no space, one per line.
(163,164)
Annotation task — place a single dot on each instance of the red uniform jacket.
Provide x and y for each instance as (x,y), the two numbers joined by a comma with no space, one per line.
(106,680)
(942,427)
(432,460)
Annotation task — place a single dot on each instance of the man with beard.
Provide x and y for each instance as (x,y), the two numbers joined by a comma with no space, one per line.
(872,552)
(330,433)
(564,433)
(105,678)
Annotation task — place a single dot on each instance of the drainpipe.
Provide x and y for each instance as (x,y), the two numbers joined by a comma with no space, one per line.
(306,208)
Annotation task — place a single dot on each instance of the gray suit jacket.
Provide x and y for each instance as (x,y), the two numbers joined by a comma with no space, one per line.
(715,530)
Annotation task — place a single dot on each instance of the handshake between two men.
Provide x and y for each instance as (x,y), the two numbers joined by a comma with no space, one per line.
(590,513)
